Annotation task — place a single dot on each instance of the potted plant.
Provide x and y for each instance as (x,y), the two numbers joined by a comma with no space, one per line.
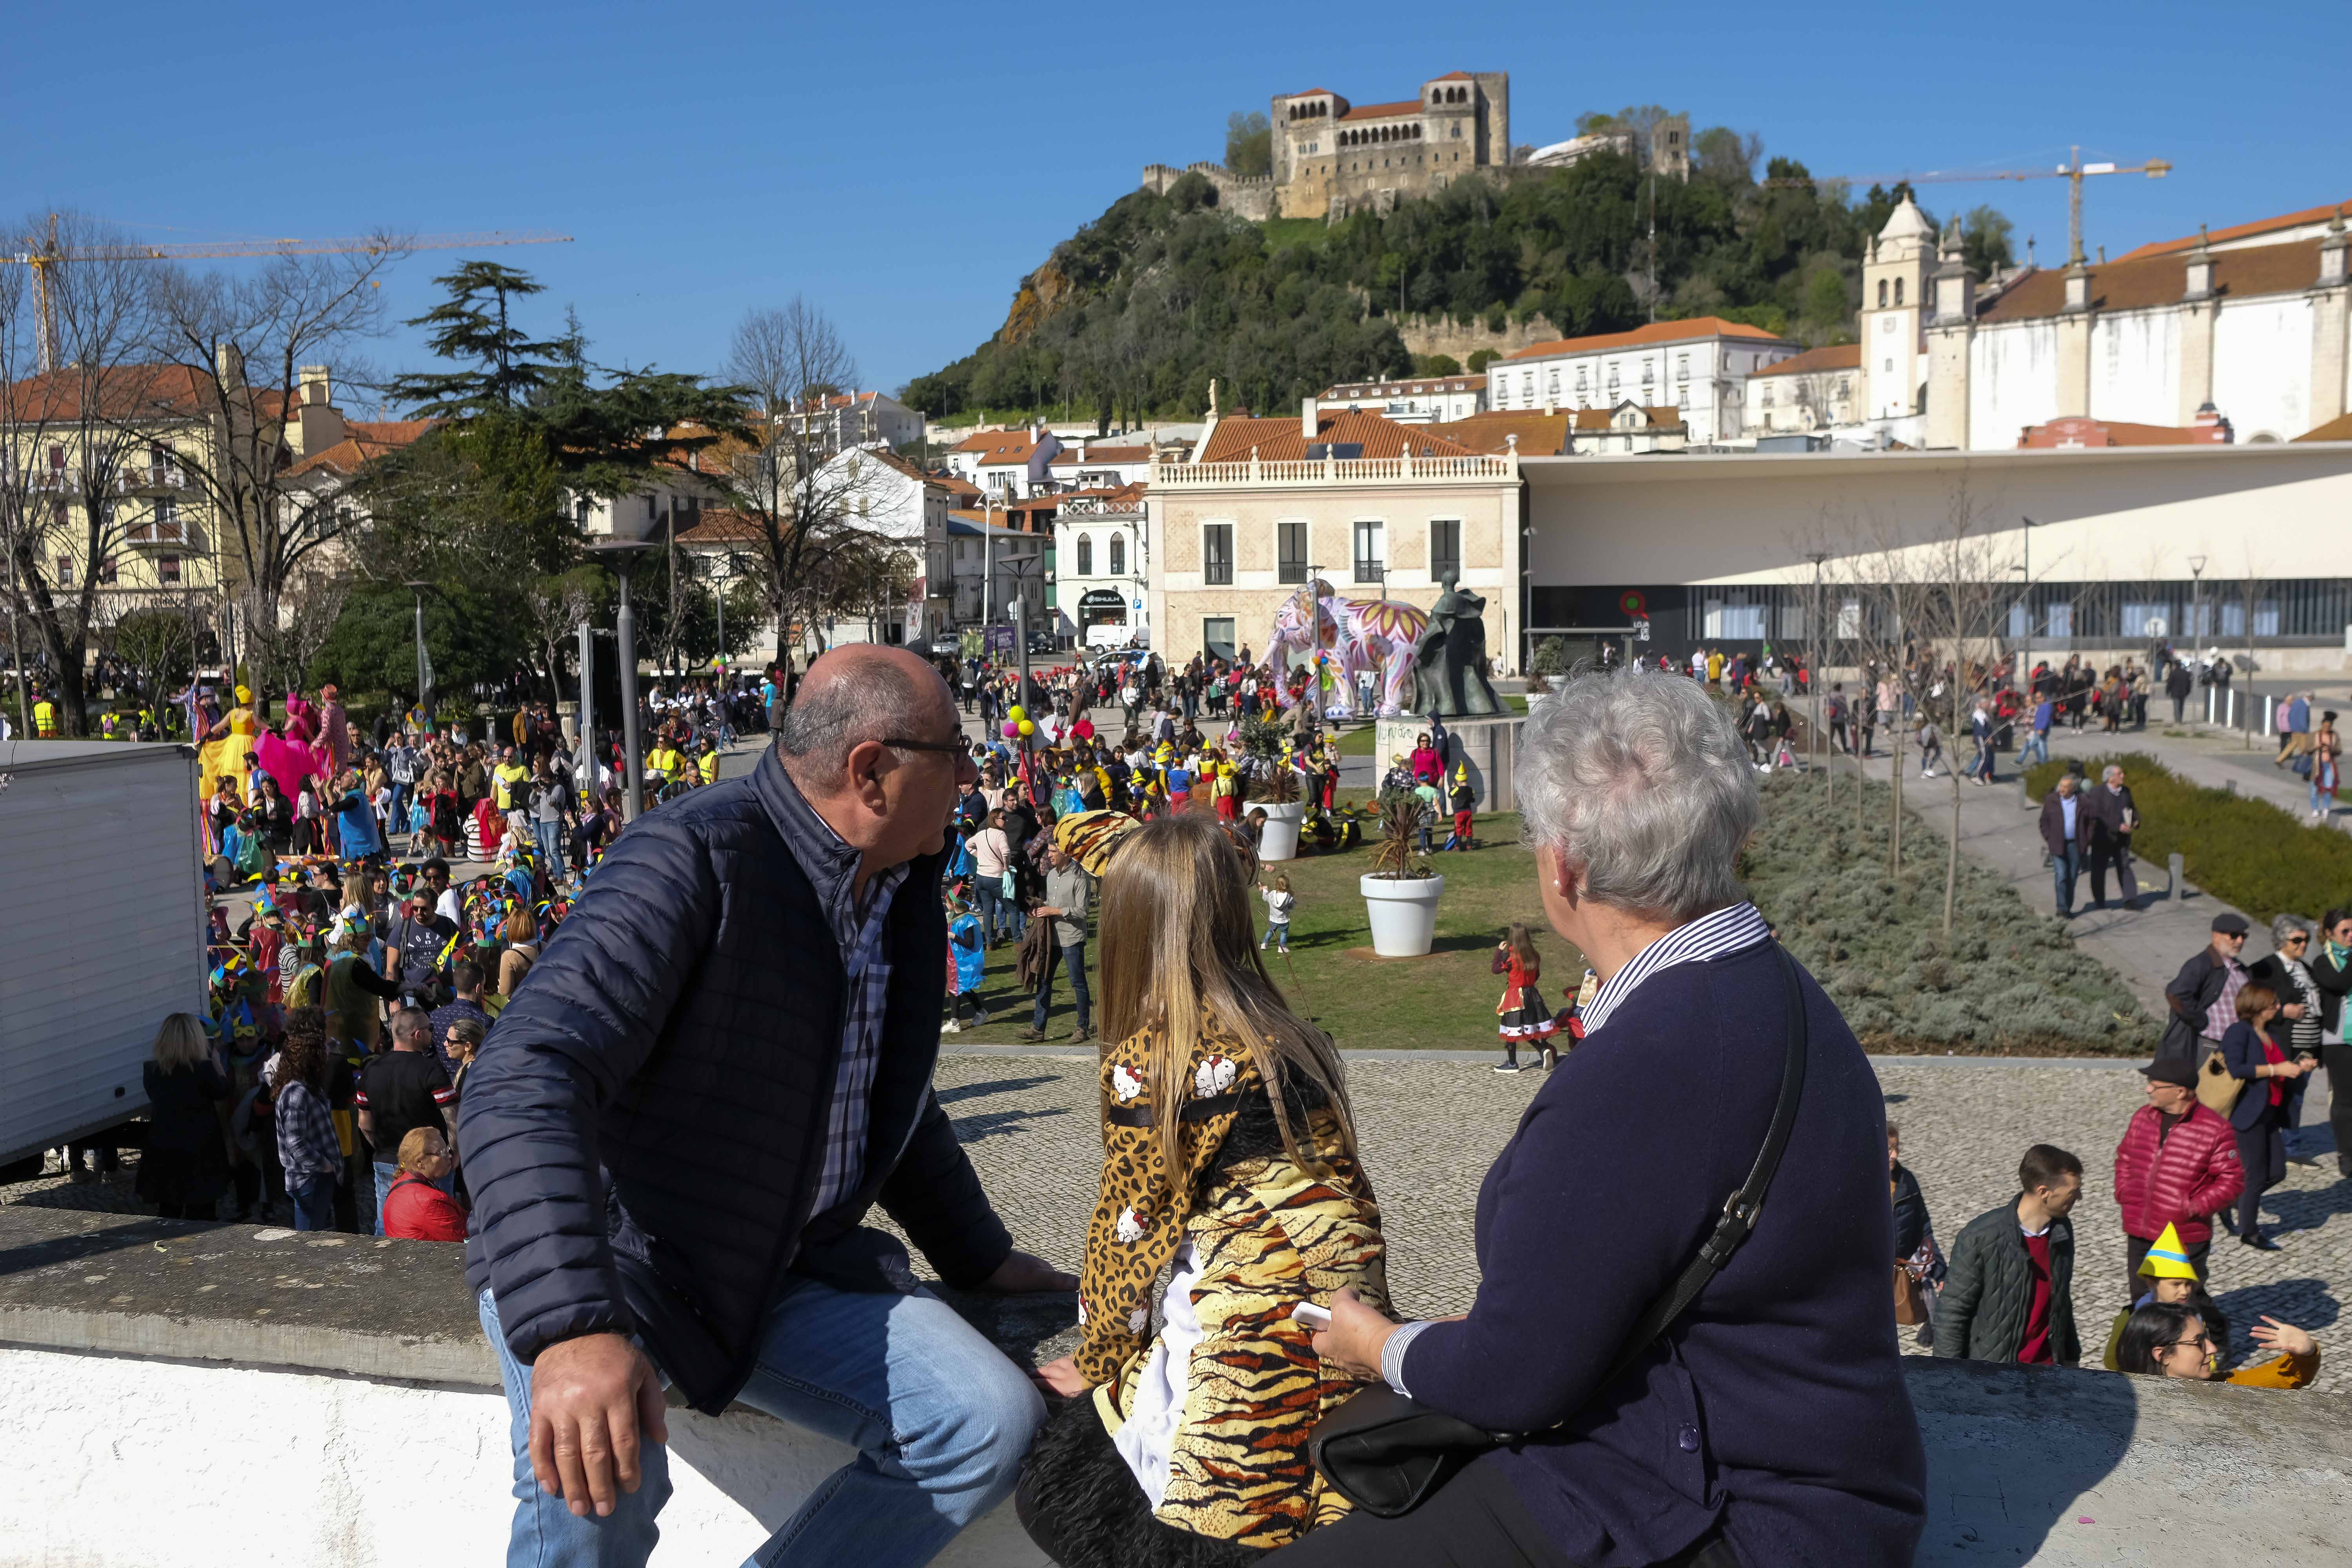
(1273,787)
(1401,893)
(1539,693)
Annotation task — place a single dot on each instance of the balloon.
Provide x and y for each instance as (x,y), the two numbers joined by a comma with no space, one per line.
(1015,713)
(1027,728)
(1012,729)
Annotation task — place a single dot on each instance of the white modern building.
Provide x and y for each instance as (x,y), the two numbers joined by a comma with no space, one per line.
(837,423)
(1698,367)
(897,503)
(1010,464)
(1102,464)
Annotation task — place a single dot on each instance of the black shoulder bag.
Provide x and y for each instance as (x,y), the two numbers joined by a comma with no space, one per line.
(1386,1453)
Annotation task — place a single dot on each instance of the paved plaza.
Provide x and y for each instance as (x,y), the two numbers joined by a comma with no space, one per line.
(1430,1123)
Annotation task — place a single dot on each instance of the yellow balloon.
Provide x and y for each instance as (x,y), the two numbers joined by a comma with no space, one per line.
(1014,713)
(1027,728)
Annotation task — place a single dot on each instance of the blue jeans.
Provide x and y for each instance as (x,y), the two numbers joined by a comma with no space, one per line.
(940,1418)
(387,1174)
(314,1203)
(550,836)
(2063,870)
(999,916)
(2036,741)
(1071,956)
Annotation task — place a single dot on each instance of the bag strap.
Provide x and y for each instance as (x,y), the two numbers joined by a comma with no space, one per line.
(1740,1209)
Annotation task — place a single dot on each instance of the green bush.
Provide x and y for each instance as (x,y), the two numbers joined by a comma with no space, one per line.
(2010,980)
(2258,857)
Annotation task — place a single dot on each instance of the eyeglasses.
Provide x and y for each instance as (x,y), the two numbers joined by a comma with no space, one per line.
(2205,1340)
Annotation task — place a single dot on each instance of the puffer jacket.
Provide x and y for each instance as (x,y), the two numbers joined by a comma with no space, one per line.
(645,1126)
(1989,1292)
(2192,1177)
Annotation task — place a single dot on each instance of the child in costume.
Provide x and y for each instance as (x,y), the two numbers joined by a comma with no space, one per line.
(968,962)
(1229,1157)
(1465,801)
(1523,1015)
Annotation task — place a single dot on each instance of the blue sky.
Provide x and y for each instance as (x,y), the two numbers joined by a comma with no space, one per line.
(904,167)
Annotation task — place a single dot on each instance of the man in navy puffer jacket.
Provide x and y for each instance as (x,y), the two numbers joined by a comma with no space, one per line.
(719,1064)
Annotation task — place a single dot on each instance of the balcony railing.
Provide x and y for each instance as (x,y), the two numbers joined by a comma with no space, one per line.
(1341,471)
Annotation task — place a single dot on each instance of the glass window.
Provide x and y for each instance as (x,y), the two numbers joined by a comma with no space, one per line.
(1290,545)
(1217,553)
(167,571)
(1086,555)
(1849,620)
(1732,620)
(1371,551)
(1119,555)
(2148,618)
(2021,620)
(1217,637)
(2061,619)
(64,573)
(1445,549)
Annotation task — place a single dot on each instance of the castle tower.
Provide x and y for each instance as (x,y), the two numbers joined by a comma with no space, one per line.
(1894,313)
(1493,117)
(1951,334)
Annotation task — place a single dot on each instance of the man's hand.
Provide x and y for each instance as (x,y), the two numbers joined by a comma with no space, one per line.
(1022,1274)
(593,1401)
(1357,1335)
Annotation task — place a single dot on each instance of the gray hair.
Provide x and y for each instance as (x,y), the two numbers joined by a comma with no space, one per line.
(861,701)
(1641,780)
(2109,772)
(2285,926)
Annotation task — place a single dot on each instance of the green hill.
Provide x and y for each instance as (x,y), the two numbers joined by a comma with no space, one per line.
(1132,316)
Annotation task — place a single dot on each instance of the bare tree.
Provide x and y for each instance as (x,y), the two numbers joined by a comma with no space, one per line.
(556,605)
(75,475)
(235,346)
(788,481)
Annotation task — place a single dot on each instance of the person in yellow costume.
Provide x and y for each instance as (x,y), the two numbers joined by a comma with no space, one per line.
(228,746)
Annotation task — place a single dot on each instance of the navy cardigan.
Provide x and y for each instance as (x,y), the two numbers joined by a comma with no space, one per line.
(1777,1402)
(2242,1053)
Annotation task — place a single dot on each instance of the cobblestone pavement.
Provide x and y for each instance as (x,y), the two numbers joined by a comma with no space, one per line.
(1431,1125)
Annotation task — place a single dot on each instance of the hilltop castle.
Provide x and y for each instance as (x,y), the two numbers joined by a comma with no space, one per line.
(1332,157)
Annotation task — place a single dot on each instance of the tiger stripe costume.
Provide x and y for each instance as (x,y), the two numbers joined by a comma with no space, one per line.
(1266,1235)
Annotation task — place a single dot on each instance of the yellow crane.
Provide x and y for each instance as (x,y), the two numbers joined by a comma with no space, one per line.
(2073,172)
(43,254)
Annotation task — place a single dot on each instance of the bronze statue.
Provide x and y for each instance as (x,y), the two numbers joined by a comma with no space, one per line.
(1449,662)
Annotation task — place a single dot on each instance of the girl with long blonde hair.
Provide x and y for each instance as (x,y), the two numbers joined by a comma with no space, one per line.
(1230,1155)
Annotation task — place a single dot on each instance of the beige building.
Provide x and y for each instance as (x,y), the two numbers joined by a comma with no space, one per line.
(1816,390)
(1377,510)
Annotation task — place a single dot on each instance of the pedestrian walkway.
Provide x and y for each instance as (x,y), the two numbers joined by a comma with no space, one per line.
(2143,944)
(2216,758)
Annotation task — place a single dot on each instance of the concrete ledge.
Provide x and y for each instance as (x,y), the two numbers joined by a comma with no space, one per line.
(154,1373)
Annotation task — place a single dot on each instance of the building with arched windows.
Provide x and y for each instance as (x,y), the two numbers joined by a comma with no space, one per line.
(1332,157)
(1100,574)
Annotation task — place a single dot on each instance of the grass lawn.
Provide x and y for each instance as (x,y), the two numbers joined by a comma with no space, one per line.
(1445,1000)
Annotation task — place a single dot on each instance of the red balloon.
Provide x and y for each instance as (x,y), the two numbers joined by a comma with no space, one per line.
(1083,729)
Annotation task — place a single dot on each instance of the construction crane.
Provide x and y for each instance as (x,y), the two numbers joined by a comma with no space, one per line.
(42,252)
(2073,172)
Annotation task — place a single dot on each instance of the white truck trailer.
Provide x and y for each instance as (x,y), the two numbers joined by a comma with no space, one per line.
(102,918)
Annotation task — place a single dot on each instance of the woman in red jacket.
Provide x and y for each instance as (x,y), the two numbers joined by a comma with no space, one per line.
(2177,1165)
(416,1209)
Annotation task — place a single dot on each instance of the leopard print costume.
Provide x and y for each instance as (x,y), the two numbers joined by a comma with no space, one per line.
(1267,1234)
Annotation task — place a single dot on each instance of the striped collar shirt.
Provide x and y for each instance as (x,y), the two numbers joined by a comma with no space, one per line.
(832,868)
(1733,929)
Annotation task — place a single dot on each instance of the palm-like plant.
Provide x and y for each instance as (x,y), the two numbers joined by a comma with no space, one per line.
(1394,856)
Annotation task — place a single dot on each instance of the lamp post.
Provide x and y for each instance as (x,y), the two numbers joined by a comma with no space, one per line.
(2025,597)
(1813,664)
(622,555)
(424,663)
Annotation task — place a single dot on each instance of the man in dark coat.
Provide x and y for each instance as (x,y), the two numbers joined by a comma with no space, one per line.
(2196,996)
(719,1064)
(2009,1286)
(2065,832)
(2114,818)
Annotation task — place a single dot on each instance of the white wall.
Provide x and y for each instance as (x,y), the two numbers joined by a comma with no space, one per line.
(2012,381)
(2262,366)
(2135,368)
(126,1463)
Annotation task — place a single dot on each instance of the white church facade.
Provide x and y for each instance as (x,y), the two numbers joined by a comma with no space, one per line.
(2253,324)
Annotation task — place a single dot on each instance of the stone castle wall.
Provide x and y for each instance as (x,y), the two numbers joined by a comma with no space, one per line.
(1443,335)
(1244,195)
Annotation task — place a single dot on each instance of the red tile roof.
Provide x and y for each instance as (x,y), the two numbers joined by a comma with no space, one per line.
(125,392)
(1642,336)
(1660,419)
(1540,434)
(2236,231)
(2336,430)
(1454,75)
(1837,356)
(1383,111)
(1281,440)
(2161,280)
(364,441)
(719,526)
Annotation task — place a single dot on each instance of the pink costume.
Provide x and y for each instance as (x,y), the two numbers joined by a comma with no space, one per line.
(288,762)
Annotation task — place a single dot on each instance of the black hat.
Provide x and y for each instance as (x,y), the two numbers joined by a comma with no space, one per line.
(2234,924)
(2170,1069)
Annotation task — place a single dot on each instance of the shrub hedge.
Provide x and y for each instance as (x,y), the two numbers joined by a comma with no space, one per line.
(2261,857)
(2010,981)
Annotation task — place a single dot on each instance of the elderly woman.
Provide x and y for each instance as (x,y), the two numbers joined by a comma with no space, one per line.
(1768,1422)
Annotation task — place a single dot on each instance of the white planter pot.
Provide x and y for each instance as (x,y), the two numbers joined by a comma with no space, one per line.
(1278,840)
(1403,911)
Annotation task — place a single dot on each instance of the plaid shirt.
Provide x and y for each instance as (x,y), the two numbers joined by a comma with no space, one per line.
(2224,1010)
(832,868)
(306,1145)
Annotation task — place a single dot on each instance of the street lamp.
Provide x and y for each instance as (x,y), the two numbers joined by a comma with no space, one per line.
(622,555)
(2195,599)
(424,662)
